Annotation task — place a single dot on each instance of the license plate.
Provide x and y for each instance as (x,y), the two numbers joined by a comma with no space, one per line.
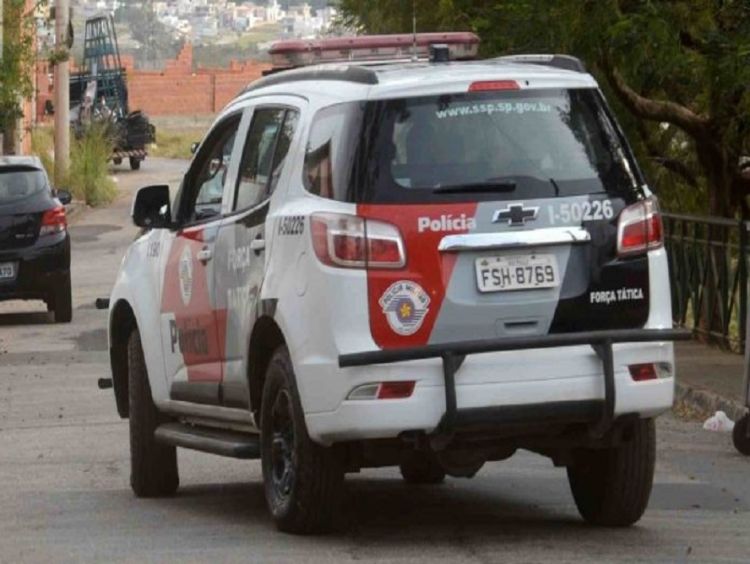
(516,272)
(7,270)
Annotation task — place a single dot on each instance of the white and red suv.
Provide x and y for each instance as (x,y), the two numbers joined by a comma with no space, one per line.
(428,264)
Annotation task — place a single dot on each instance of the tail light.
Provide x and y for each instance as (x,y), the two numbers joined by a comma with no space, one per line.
(383,390)
(53,221)
(639,228)
(348,241)
(641,372)
(650,371)
(493,85)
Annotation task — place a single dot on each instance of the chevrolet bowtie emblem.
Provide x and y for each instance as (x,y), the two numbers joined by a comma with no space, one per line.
(515,215)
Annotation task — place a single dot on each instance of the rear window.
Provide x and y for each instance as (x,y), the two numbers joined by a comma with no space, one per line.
(19,183)
(491,145)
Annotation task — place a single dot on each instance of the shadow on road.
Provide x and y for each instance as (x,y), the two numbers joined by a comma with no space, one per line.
(388,510)
(25,318)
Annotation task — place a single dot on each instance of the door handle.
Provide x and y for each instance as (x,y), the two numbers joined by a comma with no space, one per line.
(204,255)
(258,245)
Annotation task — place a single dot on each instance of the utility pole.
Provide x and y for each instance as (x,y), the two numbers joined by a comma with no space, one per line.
(62,92)
(2,48)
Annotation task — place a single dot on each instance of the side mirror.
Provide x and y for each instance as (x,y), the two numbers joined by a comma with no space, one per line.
(194,147)
(151,208)
(64,196)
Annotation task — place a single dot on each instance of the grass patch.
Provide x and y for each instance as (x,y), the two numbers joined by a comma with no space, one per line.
(174,143)
(88,176)
(43,146)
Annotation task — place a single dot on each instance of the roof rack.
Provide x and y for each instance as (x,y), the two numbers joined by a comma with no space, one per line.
(370,49)
(566,62)
(346,73)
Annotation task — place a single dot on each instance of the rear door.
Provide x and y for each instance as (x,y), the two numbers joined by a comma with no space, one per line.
(508,203)
(191,334)
(241,244)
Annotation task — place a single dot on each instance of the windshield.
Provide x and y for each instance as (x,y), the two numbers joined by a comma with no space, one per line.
(19,183)
(494,145)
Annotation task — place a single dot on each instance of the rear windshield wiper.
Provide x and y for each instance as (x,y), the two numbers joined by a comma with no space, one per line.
(476,187)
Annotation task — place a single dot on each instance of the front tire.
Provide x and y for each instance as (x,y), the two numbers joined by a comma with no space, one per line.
(418,467)
(739,435)
(303,481)
(611,486)
(153,466)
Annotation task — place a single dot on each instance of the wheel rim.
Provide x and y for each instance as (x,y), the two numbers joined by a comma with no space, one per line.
(283,474)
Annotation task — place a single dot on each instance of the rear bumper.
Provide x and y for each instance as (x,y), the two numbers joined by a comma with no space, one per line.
(41,268)
(451,404)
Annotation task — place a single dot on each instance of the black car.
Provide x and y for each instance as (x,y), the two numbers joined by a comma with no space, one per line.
(34,239)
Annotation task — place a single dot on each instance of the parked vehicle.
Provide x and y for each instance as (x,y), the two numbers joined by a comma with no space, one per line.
(99,93)
(422,264)
(34,239)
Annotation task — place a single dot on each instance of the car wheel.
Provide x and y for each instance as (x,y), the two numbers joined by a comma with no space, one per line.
(62,303)
(611,486)
(303,481)
(739,436)
(117,161)
(153,466)
(418,467)
(135,164)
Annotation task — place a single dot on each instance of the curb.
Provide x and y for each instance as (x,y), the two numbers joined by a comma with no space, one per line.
(707,402)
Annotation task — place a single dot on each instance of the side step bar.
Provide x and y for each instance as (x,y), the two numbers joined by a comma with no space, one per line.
(206,439)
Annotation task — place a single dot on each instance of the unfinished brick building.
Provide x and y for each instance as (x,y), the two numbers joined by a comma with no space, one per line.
(178,89)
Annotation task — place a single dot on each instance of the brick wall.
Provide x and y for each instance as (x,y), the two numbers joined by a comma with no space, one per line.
(181,90)
(178,89)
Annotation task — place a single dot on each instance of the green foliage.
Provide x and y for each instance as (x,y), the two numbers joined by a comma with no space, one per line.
(676,71)
(175,143)
(157,41)
(88,176)
(16,61)
(43,146)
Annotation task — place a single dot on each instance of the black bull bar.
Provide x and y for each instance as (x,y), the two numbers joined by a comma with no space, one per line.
(453,355)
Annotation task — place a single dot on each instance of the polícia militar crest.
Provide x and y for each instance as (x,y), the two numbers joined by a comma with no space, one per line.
(405,305)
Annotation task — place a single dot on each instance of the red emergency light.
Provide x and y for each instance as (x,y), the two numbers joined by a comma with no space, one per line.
(370,48)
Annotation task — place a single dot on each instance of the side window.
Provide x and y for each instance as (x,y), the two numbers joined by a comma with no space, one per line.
(331,148)
(206,186)
(257,157)
(282,147)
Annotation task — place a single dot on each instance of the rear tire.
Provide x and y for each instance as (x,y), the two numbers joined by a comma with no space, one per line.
(62,303)
(611,486)
(117,161)
(739,435)
(153,466)
(303,481)
(418,467)
(135,164)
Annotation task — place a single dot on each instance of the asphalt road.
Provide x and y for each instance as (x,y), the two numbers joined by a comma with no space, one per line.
(64,470)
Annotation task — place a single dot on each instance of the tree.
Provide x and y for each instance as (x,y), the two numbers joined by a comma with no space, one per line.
(156,40)
(15,66)
(678,71)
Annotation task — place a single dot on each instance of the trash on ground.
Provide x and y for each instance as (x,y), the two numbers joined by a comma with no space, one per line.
(719,422)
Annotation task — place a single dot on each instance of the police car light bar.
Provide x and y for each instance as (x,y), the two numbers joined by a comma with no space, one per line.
(370,48)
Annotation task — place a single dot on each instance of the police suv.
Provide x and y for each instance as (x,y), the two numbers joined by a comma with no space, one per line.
(400,260)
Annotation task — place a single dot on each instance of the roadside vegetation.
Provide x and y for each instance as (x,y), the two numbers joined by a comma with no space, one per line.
(175,142)
(88,177)
(43,146)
